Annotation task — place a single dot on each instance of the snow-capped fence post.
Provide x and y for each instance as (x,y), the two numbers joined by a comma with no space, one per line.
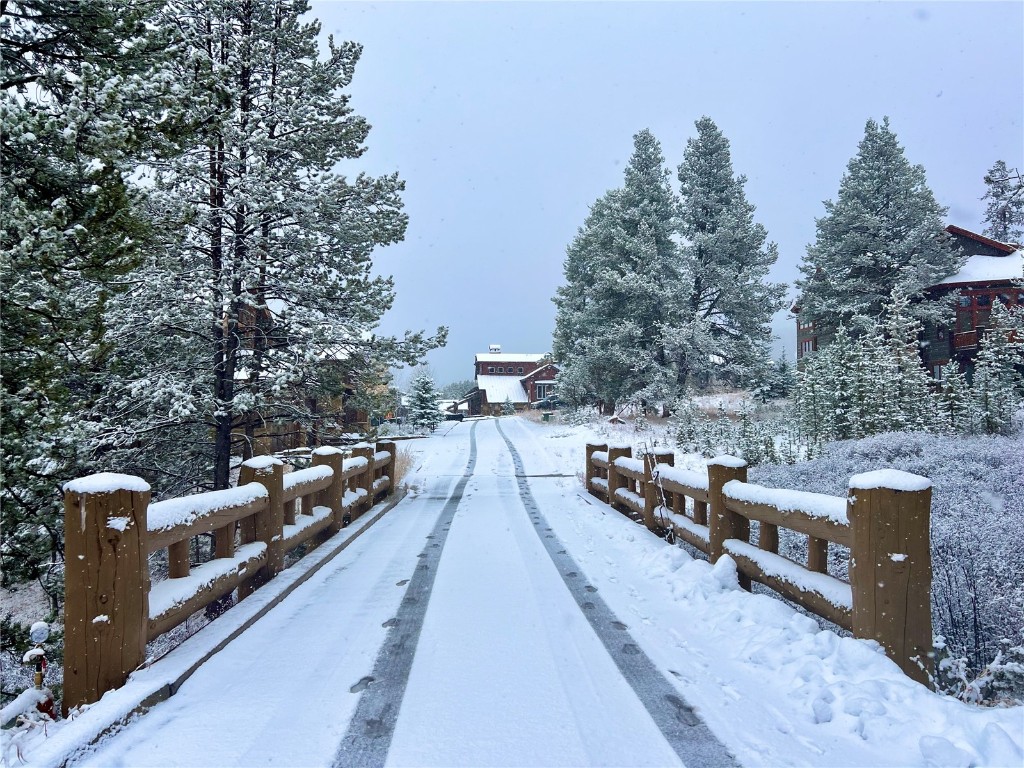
(364,479)
(891,567)
(723,524)
(267,526)
(591,470)
(388,469)
(615,479)
(333,495)
(652,493)
(106,606)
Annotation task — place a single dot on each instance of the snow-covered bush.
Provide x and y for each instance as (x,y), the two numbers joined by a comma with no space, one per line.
(977,530)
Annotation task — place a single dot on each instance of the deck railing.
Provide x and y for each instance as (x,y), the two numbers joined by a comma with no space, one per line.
(883,522)
(112,611)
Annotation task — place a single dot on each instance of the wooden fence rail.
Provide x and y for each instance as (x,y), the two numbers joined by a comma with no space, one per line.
(112,611)
(883,522)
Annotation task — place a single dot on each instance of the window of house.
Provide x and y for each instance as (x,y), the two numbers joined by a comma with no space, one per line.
(490,369)
(937,371)
(983,300)
(500,369)
(519,369)
(981,319)
(965,301)
(963,322)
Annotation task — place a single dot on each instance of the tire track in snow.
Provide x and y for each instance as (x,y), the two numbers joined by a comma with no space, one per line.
(687,734)
(368,738)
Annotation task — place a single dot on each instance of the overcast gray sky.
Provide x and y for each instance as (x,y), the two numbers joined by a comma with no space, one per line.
(508,119)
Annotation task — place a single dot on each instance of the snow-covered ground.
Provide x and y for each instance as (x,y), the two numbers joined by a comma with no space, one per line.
(508,670)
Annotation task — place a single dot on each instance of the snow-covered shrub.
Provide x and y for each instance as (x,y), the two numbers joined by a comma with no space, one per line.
(977,530)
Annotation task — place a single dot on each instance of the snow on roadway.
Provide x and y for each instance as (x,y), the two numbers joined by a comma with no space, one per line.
(507,672)
(772,686)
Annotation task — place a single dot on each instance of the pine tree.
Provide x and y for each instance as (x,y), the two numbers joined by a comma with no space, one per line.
(1004,216)
(954,401)
(84,98)
(909,387)
(998,370)
(722,328)
(424,410)
(621,275)
(507,408)
(263,283)
(884,232)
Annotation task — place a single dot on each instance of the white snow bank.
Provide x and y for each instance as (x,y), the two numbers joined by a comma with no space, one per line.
(309,475)
(893,479)
(689,477)
(169,594)
(812,504)
(164,515)
(837,592)
(106,482)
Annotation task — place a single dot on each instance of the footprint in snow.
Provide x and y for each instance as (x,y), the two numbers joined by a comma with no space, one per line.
(362,685)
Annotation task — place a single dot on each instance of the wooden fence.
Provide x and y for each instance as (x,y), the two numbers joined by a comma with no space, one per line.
(111,610)
(883,522)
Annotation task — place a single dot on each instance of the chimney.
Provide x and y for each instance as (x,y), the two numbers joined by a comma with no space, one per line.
(495,349)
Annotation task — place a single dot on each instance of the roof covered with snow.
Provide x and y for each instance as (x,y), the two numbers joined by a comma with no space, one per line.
(984,269)
(502,388)
(501,357)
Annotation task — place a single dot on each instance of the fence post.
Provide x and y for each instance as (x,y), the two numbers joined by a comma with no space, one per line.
(389,468)
(590,470)
(268,524)
(364,479)
(891,566)
(652,493)
(722,523)
(106,584)
(615,480)
(333,494)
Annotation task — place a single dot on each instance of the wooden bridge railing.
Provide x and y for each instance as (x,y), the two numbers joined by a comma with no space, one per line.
(112,611)
(883,522)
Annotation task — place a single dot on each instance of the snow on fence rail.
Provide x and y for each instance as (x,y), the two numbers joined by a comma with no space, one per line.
(883,522)
(111,611)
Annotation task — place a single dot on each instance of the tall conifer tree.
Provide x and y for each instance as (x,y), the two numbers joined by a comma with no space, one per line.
(883,232)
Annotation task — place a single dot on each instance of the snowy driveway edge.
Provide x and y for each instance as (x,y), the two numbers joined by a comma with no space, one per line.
(150,685)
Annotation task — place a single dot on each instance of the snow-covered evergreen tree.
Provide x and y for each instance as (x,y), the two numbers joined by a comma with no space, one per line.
(507,408)
(955,407)
(1004,215)
(84,96)
(264,280)
(998,370)
(424,410)
(908,388)
(883,232)
(621,279)
(721,326)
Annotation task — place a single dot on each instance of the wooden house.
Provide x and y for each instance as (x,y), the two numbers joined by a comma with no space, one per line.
(521,379)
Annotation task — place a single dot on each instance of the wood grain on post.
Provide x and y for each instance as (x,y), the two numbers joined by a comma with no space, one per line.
(333,494)
(106,607)
(817,555)
(364,479)
(724,524)
(389,468)
(616,480)
(768,537)
(268,524)
(891,566)
(653,496)
(590,469)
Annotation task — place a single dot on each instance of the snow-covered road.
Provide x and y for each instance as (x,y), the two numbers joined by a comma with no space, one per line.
(500,616)
(445,635)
